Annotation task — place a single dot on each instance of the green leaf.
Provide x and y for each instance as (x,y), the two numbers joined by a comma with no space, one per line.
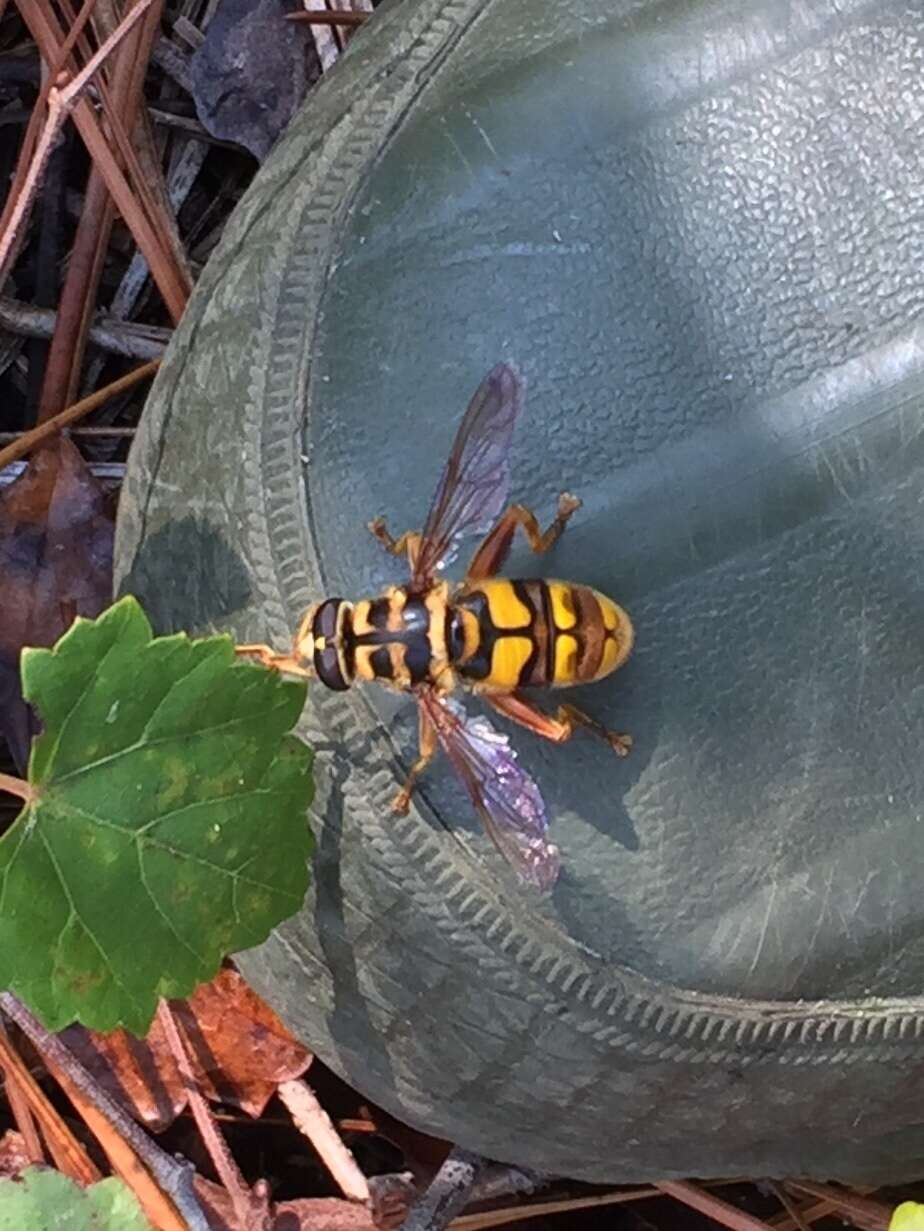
(43,1200)
(168,827)
(909,1216)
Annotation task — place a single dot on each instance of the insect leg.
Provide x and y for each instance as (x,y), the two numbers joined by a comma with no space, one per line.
(427,745)
(409,542)
(267,657)
(496,545)
(515,706)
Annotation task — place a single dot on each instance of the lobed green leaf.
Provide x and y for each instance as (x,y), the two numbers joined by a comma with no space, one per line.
(44,1200)
(168,827)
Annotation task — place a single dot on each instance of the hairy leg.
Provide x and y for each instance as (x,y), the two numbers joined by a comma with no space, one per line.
(408,544)
(515,706)
(495,546)
(427,744)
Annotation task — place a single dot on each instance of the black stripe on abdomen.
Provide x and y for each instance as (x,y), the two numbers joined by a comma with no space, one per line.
(536,672)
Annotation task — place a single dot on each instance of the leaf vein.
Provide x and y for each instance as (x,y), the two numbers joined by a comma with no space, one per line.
(75,914)
(181,940)
(66,720)
(251,717)
(178,852)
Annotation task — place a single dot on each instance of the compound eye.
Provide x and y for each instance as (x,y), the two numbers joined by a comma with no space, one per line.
(328,668)
(326,619)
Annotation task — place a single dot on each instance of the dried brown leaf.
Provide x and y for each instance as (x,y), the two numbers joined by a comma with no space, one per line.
(250,74)
(14,1157)
(56,532)
(239,1048)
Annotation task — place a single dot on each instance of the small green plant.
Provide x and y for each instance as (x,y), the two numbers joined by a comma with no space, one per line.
(40,1198)
(164,823)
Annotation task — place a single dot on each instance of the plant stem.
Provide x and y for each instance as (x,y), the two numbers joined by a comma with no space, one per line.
(16,786)
(244,1202)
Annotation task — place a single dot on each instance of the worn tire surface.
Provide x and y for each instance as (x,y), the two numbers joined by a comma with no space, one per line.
(699,227)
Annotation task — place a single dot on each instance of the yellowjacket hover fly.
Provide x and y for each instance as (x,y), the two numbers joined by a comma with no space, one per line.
(491,635)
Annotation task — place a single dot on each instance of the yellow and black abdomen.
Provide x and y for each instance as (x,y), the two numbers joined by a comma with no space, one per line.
(509,634)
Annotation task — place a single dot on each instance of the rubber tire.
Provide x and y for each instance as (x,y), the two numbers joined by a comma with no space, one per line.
(699,230)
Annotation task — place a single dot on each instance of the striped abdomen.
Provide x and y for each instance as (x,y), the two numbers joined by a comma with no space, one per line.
(510,634)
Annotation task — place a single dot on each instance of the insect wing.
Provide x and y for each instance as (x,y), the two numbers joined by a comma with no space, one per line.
(504,795)
(472,491)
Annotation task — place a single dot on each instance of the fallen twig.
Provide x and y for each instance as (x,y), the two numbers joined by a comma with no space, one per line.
(135,341)
(539,1209)
(788,1205)
(318,18)
(448,1194)
(85,266)
(172,280)
(21,1109)
(330,33)
(68,1154)
(808,1214)
(25,161)
(28,440)
(244,1201)
(185,164)
(111,473)
(714,1207)
(30,1104)
(864,1212)
(62,97)
(312,1120)
(126,1144)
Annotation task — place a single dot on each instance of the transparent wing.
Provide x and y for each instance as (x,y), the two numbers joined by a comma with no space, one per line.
(505,796)
(472,491)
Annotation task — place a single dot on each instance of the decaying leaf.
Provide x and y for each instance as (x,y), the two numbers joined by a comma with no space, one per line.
(239,1050)
(251,72)
(14,1157)
(56,532)
(168,822)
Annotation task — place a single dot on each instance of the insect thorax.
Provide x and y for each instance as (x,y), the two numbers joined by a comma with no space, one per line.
(398,639)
